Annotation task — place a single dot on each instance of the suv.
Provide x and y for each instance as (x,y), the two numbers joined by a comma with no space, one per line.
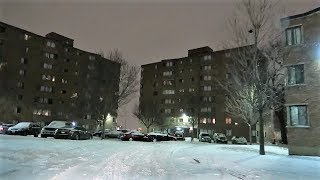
(48,131)
(220,138)
(204,137)
(24,129)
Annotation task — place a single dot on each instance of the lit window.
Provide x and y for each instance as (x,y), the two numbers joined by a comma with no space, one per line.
(92,57)
(207,78)
(168,92)
(207,67)
(298,115)
(26,37)
(27,49)
(207,57)
(169,64)
(296,74)
(181,90)
(167,73)
(167,111)
(207,88)
(204,120)
(156,67)
(22,72)
(228,132)
(191,89)
(228,120)
(213,120)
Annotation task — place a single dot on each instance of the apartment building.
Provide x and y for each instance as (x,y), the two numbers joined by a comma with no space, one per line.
(185,88)
(302,38)
(46,78)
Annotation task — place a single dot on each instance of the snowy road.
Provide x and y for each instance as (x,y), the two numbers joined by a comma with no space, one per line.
(36,158)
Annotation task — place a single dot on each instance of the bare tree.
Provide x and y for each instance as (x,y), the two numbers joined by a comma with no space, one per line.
(148,116)
(256,77)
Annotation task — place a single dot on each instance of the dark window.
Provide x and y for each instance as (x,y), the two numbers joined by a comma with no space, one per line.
(18,110)
(298,115)
(192,79)
(293,35)
(49,101)
(2,29)
(66,60)
(155,93)
(63,92)
(65,70)
(296,74)
(19,97)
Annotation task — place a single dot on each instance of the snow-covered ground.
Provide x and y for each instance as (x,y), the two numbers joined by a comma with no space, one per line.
(36,158)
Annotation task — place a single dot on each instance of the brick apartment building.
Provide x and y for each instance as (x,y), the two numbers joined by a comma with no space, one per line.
(302,38)
(185,87)
(47,78)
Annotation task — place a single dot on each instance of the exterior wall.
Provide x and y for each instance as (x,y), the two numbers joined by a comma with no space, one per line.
(305,140)
(191,71)
(78,80)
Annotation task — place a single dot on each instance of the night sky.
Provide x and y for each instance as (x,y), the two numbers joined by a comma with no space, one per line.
(144,31)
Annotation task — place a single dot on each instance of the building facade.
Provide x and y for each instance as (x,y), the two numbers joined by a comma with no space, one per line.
(45,78)
(186,88)
(302,38)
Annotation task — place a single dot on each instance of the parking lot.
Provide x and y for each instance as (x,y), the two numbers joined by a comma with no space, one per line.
(47,158)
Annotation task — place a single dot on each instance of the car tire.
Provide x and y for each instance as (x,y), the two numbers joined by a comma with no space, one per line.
(35,135)
(77,137)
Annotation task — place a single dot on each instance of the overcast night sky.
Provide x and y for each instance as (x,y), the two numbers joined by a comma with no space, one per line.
(144,31)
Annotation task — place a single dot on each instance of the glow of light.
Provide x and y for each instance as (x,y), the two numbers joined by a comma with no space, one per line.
(236,123)
(185,117)
(191,128)
(73,123)
(179,128)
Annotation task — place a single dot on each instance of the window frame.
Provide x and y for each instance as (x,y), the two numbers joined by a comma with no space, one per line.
(288,72)
(291,32)
(289,123)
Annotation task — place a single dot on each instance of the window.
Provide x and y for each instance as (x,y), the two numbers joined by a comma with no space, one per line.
(296,74)
(167,111)
(228,75)
(204,120)
(22,72)
(63,91)
(228,120)
(64,81)
(27,49)
(181,90)
(167,82)
(207,99)
(205,109)
(181,80)
(76,73)
(92,57)
(227,54)
(213,120)
(47,66)
(43,112)
(167,73)
(18,110)
(51,44)
(2,29)
(46,89)
(191,89)
(27,37)
(65,70)
(169,64)
(66,49)
(168,92)
(181,110)
(19,97)
(207,57)
(190,60)
(23,61)
(293,35)
(169,101)
(298,115)
(207,88)
(228,132)
(207,78)
(207,68)
(20,85)
(155,93)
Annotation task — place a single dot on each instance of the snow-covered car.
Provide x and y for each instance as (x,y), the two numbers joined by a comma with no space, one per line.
(114,134)
(204,137)
(4,128)
(156,136)
(24,129)
(76,133)
(134,136)
(220,138)
(48,131)
(179,135)
(238,140)
(99,132)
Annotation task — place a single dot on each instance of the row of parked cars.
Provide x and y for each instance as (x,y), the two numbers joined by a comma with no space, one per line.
(221,138)
(56,129)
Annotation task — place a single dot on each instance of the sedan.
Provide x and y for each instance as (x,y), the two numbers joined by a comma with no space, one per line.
(238,140)
(134,136)
(4,128)
(75,133)
(24,129)
(153,136)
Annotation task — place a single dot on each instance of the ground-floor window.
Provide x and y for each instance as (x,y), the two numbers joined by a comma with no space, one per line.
(298,115)
(229,132)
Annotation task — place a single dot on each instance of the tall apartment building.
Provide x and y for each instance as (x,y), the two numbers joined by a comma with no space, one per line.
(185,87)
(302,38)
(47,78)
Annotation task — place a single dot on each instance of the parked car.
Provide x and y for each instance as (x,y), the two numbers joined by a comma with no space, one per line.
(76,133)
(134,136)
(155,136)
(4,128)
(204,137)
(48,131)
(114,134)
(98,133)
(238,140)
(179,135)
(220,138)
(24,129)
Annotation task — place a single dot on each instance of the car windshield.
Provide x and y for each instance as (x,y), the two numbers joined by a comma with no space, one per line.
(22,125)
(204,134)
(60,124)
(221,135)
